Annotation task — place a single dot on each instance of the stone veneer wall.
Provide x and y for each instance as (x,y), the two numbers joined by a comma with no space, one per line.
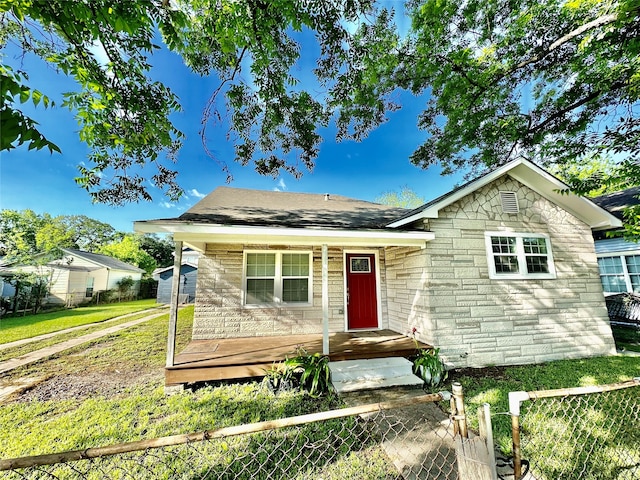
(219,312)
(477,321)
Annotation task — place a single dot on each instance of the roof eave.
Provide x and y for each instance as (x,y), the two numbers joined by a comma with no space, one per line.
(210,233)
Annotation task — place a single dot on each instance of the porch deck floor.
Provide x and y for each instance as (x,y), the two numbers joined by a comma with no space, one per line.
(245,357)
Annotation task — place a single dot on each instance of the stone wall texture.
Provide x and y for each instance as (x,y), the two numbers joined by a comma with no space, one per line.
(478,321)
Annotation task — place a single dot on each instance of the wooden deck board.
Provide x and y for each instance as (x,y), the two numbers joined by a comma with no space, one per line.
(245,357)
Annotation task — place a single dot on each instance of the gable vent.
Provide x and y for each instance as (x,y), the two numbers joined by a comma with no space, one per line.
(509,202)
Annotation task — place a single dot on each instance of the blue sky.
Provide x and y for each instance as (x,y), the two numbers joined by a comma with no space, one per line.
(45,183)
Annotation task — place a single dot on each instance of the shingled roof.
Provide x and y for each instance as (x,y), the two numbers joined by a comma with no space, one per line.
(104,260)
(616,202)
(237,206)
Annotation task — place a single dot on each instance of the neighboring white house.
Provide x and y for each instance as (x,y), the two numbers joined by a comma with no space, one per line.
(76,276)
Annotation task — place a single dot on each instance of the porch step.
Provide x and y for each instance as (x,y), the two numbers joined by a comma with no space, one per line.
(353,375)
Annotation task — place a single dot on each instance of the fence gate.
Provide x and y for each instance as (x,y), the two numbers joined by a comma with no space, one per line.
(474,454)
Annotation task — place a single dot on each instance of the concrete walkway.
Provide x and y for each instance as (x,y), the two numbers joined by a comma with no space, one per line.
(31,357)
(417,439)
(44,336)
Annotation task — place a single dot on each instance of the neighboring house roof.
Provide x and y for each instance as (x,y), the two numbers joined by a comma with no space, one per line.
(534,177)
(616,202)
(102,260)
(239,206)
(99,261)
(158,271)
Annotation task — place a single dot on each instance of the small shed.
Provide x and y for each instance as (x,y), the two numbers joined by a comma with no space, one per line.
(188,276)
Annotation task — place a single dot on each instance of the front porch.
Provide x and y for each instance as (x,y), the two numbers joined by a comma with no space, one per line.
(246,357)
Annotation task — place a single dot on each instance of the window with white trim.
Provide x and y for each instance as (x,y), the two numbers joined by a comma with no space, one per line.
(277,278)
(519,255)
(620,273)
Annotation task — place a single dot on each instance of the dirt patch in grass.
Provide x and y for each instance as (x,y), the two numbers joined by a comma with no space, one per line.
(82,386)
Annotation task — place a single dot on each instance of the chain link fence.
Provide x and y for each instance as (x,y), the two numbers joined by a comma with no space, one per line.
(582,433)
(406,439)
(590,433)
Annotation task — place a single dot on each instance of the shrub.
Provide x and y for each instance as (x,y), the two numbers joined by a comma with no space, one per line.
(308,372)
(428,365)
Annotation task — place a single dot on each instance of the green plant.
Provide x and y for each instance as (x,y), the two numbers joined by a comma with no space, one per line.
(309,372)
(280,378)
(428,365)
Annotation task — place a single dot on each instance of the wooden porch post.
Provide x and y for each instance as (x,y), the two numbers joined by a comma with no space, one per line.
(173,312)
(325,299)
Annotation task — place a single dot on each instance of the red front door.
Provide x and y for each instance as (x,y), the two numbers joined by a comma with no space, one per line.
(362,301)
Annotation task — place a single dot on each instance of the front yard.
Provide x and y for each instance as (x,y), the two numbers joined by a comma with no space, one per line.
(111,391)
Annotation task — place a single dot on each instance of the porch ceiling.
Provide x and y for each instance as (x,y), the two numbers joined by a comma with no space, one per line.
(199,234)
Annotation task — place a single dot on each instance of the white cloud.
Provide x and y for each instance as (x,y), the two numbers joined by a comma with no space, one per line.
(167,205)
(195,193)
(281,186)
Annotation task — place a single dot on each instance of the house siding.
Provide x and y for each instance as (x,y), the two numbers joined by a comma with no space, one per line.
(116,275)
(165,283)
(616,245)
(477,321)
(219,311)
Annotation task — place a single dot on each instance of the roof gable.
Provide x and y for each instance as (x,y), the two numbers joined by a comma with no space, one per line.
(530,175)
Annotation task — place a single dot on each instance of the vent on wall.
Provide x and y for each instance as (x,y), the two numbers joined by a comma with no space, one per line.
(509,202)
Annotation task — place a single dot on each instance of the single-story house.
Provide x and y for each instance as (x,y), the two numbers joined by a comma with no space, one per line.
(77,275)
(188,278)
(618,257)
(499,271)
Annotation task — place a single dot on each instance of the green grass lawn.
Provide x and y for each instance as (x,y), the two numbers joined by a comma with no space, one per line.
(18,328)
(13,352)
(140,409)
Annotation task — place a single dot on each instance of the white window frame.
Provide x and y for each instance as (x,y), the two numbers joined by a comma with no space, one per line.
(278,280)
(521,256)
(625,270)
